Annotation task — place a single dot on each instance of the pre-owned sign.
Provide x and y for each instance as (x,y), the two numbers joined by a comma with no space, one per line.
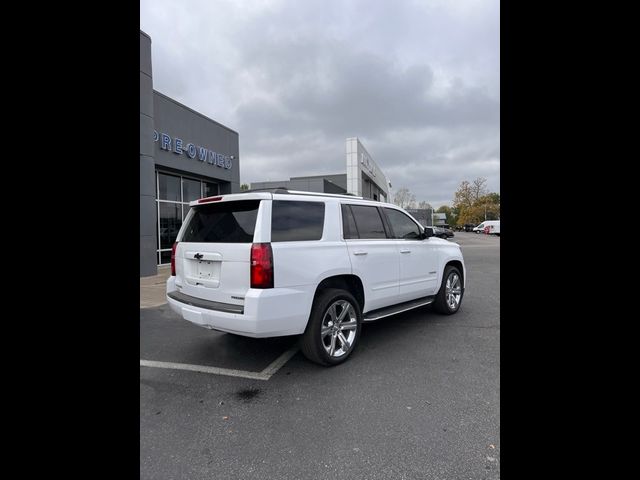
(177,146)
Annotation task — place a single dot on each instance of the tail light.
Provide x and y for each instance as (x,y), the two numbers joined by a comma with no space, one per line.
(261,265)
(173,259)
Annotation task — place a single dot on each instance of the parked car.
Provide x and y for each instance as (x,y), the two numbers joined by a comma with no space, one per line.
(280,262)
(441,232)
(468,227)
(448,232)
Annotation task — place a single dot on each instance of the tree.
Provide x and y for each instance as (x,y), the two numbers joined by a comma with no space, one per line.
(470,215)
(493,198)
(485,208)
(455,214)
(463,197)
(425,205)
(244,186)
(473,203)
(469,193)
(479,188)
(490,205)
(404,198)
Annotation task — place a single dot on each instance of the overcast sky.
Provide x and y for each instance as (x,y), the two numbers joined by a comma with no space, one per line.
(417,81)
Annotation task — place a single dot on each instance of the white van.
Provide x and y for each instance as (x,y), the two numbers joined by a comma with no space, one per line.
(494,227)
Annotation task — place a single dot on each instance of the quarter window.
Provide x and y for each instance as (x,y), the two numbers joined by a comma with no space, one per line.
(295,221)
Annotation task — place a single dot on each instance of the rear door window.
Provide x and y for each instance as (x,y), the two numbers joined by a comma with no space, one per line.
(349,229)
(226,222)
(296,221)
(368,222)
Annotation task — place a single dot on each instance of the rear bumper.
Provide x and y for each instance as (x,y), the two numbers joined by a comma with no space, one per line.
(206,304)
(270,312)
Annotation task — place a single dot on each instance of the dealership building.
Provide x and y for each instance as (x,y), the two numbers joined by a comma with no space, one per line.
(183,156)
(364,178)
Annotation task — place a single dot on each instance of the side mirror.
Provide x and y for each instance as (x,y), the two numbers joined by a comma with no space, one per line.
(428,232)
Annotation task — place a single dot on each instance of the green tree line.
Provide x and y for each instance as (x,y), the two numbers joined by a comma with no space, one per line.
(472,203)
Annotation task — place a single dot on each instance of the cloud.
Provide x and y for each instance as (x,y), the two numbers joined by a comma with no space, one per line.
(416,81)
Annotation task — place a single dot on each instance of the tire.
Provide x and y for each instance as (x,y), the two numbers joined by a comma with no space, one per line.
(447,302)
(322,332)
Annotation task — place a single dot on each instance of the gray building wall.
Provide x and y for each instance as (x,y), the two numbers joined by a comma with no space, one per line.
(317,183)
(330,187)
(283,184)
(423,215)
(339,179)
(148,232)
(371,190)
(439,218)
(179,121)
(159,113)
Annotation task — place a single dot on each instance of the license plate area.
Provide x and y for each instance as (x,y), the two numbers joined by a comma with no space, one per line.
(203,273)
(202,269)
(206,269)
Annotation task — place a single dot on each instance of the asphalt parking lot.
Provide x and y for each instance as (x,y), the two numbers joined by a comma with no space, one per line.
(420,398)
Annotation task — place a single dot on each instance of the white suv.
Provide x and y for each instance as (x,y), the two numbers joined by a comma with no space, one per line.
(279,262)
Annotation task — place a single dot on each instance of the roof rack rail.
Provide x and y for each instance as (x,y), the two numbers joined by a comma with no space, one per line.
(285,190)
(321,194)
(268,189)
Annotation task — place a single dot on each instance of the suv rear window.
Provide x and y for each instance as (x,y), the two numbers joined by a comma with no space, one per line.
(227,222)
(294,221)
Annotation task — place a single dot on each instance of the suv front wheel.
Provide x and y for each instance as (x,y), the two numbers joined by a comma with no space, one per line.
(449,297)
(333,329)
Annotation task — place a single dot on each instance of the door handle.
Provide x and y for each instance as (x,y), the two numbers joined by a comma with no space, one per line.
(405,251)
(360,252)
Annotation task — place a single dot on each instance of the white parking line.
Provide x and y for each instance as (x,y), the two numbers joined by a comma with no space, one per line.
(265,374)
(279,362)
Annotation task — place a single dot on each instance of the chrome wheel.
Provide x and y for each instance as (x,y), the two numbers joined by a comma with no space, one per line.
(453,290)
(338,328)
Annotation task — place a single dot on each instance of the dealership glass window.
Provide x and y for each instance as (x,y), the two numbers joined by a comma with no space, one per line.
(191,189)
(165,257)
(210,189)
(170,221)
(173,194)
(169,187)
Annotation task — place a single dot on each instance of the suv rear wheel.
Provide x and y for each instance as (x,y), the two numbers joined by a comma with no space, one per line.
(449,297)
(333,329)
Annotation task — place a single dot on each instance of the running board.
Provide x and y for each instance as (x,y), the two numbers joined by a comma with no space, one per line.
(399,308)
